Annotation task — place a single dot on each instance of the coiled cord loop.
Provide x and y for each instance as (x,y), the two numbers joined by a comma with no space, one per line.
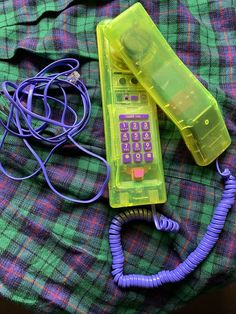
(163,224)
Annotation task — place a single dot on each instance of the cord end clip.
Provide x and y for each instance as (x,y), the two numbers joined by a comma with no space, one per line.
(74,77)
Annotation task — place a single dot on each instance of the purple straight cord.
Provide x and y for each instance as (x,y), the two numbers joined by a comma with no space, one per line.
(21,121)
(164,224)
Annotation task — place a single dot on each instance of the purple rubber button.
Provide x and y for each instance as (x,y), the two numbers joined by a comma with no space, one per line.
(146,136)
(147,146)
(148,157)
(126,158)
(125,147)
(134,126)
(124,137)
(145,126)
(124,126)
(136,147)
(137,157)
(138,116)
(135,136)
(134,97)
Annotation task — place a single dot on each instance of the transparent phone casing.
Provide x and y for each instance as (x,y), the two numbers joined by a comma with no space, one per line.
(172,85)
(131,132)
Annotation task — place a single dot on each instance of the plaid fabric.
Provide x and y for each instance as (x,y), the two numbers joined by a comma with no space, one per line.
(54,255)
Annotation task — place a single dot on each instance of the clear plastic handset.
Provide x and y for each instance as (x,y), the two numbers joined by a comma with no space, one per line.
(131,133)
(172,85)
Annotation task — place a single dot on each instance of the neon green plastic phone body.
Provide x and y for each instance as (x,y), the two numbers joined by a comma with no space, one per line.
(172,85)
(131,133)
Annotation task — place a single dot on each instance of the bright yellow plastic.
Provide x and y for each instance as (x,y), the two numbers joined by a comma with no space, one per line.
(135,37)
(134,183)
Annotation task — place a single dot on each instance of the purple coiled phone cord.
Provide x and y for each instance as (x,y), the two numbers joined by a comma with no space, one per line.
(191,262)
(25,123)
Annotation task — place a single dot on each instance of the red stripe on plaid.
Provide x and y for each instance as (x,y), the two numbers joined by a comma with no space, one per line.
(11,269)
(42,287)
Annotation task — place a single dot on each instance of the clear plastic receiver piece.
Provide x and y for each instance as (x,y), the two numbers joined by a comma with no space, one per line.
(136,39)
(131,133)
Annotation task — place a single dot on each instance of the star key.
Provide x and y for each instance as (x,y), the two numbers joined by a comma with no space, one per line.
(126,158)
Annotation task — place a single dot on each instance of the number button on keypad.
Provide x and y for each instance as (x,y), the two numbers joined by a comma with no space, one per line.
(138,157)
(146,136)
(134,126)
(135,136)
(125,147)
(124,137)
(124,126)
(147,146)
(136,147)
(145,126)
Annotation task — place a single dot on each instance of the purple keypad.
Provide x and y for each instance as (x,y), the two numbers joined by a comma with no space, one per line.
(136,146)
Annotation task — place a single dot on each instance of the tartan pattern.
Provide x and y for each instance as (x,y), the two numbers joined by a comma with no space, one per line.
(54,255)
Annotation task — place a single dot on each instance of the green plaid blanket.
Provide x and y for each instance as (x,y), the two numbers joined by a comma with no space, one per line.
(54,255)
